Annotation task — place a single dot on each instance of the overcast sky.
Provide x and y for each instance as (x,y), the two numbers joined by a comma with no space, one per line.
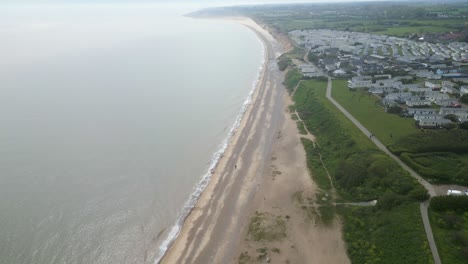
(216,2)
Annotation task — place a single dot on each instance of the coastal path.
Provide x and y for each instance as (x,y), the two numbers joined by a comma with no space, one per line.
(430,189)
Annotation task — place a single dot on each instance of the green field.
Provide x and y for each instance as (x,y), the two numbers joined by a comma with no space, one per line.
(362,105)
(387,27)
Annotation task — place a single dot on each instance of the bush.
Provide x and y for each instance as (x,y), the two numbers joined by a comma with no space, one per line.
(395,109)
(389,200)
(464,125)
(450,203)
(464,98)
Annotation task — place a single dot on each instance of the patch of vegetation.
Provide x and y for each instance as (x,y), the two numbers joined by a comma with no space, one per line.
(244,258)
(319,174)
(438,167)
(449,220)
(266,227)
(294,117)
(327,214)
(292,79)
(361,172)
(455,141)
(262,253)
(301,128)
(283,62)
(384,236)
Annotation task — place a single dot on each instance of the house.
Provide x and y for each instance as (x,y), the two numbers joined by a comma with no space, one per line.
(446,102)
(461,113)
(447,83)
(415,111)
(339,72)
(423,102)
(360,82)
(419,117)
(436,96)
(398,96)
(432,85)
(370,68)
(432,123)
(448,70)
(464,89)
(449,90)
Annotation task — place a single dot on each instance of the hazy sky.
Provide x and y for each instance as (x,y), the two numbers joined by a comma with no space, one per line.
(214,2)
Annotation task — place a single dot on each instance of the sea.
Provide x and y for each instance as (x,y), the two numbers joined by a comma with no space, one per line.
(111,117)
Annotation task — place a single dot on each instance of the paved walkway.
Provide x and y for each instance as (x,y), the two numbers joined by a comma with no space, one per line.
(430,189)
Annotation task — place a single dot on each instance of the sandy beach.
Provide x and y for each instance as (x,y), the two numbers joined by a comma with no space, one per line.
(262,170)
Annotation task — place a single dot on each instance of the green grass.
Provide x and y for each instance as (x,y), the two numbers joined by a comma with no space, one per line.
(292,79)
(301,128)
(362,105)
(381,236)
(404,31)
(438,167)
(449,237)
(319,174)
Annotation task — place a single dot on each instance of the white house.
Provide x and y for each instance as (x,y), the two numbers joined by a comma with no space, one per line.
(436,96)
(449,90)
(422,102)
(464,89)
(419,117)
(432,85)
(446,102)
(433,123)
(426,111)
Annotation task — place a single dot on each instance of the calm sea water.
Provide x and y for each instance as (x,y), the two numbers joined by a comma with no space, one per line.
(109,118)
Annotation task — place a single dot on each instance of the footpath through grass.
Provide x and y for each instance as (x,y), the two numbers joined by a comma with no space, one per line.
(392,231)
(388,128)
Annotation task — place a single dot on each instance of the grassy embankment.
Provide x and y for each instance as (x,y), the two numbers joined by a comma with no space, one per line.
(392,231)
(449,220)
(440,156)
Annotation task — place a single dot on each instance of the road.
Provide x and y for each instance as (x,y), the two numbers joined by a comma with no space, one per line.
(430,189)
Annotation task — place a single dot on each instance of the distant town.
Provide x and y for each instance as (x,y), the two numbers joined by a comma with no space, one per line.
(412,78)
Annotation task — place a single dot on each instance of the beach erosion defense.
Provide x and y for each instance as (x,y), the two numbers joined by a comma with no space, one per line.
(201,188)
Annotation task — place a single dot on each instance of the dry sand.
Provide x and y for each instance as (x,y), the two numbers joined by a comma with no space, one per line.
(261,170)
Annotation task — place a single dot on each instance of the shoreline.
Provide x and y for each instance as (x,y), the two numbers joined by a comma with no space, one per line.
(179,245)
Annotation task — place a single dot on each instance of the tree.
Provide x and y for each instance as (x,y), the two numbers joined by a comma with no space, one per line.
(395,109)
(312,57)
(464,125)
(464,98)
(451,117)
